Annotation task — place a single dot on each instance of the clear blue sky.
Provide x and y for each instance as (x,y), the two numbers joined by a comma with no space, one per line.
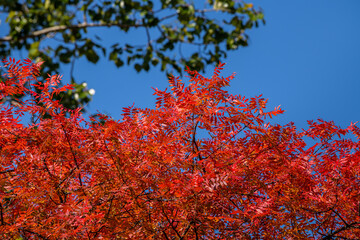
(306,59)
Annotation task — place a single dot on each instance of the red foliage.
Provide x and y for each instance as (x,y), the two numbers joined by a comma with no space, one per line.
(204,164)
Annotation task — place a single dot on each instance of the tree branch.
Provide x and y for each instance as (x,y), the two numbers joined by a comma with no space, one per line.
(85,24)
(60,28)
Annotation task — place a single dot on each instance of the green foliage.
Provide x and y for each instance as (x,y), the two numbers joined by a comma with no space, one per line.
(176,32)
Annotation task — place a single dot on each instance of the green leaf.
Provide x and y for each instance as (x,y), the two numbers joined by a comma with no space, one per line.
(34,49)
(119,62)
(155,61)
(137,67)
(92,56)
(113,55)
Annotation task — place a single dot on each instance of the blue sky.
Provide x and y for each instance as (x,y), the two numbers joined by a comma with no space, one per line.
(306,59)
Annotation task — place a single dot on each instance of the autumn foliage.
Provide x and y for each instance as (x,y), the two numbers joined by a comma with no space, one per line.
(204,164)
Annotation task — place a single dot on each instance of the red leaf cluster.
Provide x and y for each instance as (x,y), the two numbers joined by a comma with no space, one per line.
(204,164)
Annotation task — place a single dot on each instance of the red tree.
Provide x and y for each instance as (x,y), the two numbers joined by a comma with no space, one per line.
(204,164)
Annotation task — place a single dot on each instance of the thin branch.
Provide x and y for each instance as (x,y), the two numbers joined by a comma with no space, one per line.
(171,224)
(165,235)
(343,220)
(97,232)
(1,215)
(186,230)
(7,171)
(109,209)
(66,178)
(73,63)
(349,226)
(194,141)
(34,233)
(147,34)
(70,146)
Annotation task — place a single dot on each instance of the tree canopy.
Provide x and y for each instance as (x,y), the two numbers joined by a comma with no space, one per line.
(176,33)
(203,164)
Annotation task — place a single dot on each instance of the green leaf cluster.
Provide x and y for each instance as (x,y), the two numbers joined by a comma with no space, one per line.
(175,32)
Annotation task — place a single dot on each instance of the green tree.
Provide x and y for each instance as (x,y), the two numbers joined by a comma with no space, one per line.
(177,33)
